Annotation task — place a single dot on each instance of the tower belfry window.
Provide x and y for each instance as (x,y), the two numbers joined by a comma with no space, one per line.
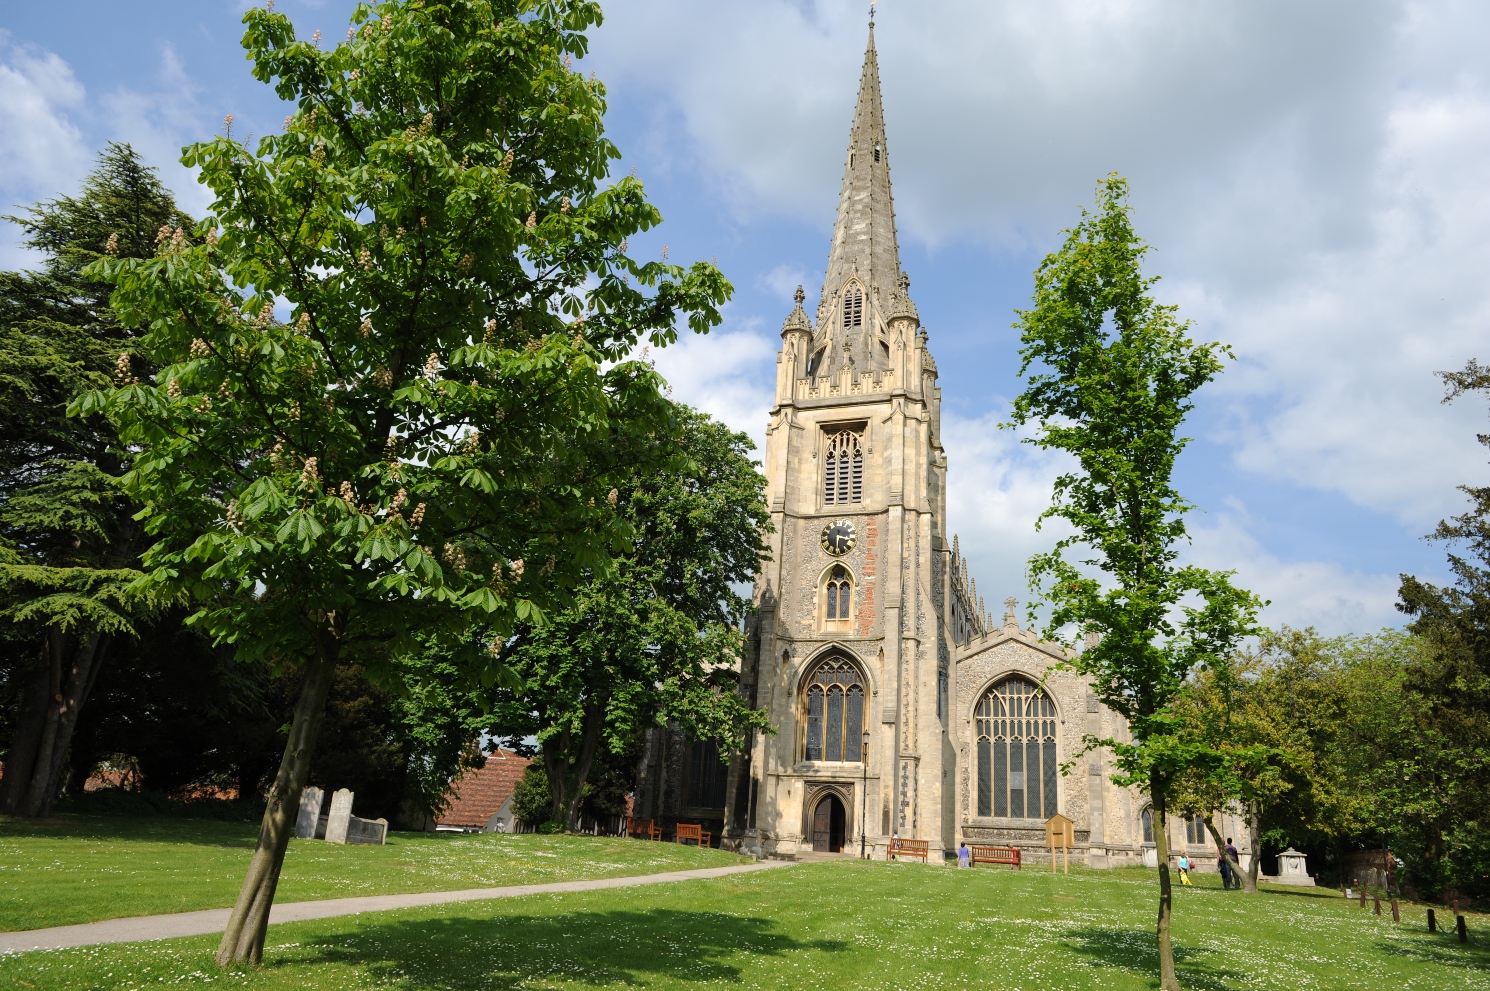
(876,151)
(853,308)
(843,469)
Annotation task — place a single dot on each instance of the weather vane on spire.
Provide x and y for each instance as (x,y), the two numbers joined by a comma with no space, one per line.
(871,12)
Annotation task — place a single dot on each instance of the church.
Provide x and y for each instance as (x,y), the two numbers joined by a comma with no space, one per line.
(899,706)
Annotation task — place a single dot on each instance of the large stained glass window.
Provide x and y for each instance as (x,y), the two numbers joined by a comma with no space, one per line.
(1017,770)
(835,711)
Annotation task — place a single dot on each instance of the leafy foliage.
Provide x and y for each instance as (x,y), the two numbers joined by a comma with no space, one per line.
(392,391)
(1451,807)
(1109,378)
(446,400)
(658,638)
(68,542)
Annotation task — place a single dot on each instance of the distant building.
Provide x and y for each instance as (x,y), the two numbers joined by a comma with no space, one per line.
(482,799)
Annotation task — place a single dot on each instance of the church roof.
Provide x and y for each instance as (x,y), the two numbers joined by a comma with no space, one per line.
(864,246)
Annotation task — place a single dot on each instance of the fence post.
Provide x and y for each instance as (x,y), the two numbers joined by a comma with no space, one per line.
(1432,922)
(1463,931)
(1396,915)
(1376,900)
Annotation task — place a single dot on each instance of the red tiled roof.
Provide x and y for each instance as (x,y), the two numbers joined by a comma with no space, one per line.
(476,796)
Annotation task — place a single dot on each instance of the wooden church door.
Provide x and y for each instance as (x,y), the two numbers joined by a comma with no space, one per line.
(822,825)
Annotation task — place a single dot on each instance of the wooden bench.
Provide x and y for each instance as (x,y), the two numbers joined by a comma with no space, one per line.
(692,831)
(996,855)
(643,829)
(908,848)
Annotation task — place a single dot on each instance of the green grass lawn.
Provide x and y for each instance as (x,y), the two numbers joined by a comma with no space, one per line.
(824,925)
(81,869)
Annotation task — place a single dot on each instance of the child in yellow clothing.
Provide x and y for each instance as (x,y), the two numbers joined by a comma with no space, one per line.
(1185,870)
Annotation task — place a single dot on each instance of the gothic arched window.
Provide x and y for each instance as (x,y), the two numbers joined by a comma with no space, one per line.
(838,596)
(833,697)
(843,469)
(853,308)
(1017,770)
(1147,822)
(1195,831)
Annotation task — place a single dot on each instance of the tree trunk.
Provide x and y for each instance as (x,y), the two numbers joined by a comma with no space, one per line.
(243,941)
(587,747)
(566,779)
(68,671)
(1167,979)
(20,762)
(1248,878)
(1254,822)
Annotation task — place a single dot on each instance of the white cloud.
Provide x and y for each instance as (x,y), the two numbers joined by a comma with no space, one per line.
(1311,173)
(996,490)
(158,121)
(783,280)
(998,487)
(1321,594)
(41,148)
(725,374)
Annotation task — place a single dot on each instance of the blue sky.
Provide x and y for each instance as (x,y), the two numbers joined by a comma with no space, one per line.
(1310,175)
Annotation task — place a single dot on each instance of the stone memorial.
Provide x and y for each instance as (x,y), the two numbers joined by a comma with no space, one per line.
(310,813)
(341,816)
(1292,869)
(370,832)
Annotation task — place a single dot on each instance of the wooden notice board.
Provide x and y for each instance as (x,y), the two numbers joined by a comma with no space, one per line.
(1060,834)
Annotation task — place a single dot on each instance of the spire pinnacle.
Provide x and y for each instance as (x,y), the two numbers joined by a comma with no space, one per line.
(863,279)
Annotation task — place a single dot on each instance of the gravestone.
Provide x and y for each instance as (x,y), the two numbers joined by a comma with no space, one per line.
(341,816)
(310,813)
(370,832)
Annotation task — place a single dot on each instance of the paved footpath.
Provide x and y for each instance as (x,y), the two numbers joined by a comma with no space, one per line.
(142,927)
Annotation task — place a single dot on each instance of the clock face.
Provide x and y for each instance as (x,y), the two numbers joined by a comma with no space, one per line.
(838,537)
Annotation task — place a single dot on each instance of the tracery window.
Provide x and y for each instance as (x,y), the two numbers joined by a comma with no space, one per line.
(1017,768)
(838,595)
(853,308)
(1195,831)
(843,468)
(834,699)
(1147,821)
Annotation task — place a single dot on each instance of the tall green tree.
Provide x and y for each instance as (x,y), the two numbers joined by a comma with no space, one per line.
(1453,680)
(1109,376)
(393,391)
(657,638)
(68,543)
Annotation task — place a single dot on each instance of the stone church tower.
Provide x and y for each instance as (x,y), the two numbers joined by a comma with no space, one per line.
(867,626)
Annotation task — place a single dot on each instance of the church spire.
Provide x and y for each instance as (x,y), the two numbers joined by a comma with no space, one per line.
(864,249)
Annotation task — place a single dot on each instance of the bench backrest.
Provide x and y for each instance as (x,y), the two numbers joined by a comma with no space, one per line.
(638,827)
(995,855)
(909,848)
(689,831)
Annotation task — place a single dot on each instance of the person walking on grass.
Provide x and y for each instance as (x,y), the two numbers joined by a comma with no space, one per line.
(1224,868)
(964,855)
(1185,871)
(1233,858)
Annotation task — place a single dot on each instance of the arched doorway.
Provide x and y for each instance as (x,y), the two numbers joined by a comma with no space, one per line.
(827,825)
